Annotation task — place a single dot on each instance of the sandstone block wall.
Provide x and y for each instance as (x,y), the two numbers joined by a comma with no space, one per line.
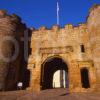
(11,30)
(64,42)
(93,24)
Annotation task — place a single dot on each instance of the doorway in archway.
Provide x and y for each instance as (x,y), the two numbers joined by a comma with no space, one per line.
(54,68)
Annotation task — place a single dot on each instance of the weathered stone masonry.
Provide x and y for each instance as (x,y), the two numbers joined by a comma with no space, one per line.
(10,27)
(64,43)
(74,46)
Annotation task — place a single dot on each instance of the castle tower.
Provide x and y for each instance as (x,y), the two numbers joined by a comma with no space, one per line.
(94,30)
(11,31)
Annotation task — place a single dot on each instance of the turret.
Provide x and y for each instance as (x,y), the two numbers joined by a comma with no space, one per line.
(93,24)
(11,32)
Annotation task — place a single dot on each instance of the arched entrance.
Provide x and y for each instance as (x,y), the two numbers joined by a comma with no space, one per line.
(49,67)
(85,78)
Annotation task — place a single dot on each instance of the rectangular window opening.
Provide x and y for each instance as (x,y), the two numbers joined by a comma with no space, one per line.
(82,48)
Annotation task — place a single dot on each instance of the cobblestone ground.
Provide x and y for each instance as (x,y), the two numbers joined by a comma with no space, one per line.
(54,94)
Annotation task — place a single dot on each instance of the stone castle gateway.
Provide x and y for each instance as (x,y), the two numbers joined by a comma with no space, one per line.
(72,49)
(61,49)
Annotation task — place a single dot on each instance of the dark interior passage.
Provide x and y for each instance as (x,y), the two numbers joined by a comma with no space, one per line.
(49,67)
(85,78)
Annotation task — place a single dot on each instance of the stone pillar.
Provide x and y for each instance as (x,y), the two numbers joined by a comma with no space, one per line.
(92,77)
(74,77)
(93,24)
(35,76)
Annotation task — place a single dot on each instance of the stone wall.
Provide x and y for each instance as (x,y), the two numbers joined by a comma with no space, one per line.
(11,31)
(64,42)
(93,24)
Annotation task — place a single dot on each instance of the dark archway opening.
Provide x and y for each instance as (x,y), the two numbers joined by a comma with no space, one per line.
(49,67)
(85,78)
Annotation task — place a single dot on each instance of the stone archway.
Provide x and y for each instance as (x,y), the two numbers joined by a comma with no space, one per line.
(49,67)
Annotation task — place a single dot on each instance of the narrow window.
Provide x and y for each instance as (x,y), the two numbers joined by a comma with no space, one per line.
(82,48)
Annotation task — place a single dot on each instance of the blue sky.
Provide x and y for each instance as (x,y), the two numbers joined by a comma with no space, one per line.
(36,13)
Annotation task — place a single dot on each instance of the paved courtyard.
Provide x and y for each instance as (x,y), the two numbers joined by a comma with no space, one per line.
(54,94)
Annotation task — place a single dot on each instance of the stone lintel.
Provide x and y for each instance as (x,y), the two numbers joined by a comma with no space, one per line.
(85,64)
(56,50)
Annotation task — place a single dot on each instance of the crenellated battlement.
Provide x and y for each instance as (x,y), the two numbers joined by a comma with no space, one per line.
(3,13)
(57,29)
(94,7)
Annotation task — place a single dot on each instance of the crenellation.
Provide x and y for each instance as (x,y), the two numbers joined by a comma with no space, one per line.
(69,29)
(82,25)
(43,28)
(68,26)
(55,28)
(3,13)
(94,7)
